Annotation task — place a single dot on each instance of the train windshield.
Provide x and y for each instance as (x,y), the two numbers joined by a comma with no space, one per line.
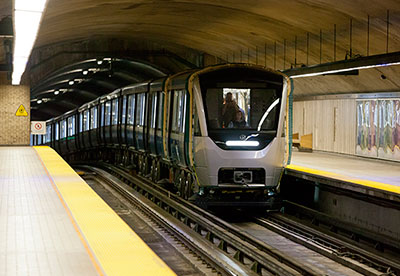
(242,108)
(241,103)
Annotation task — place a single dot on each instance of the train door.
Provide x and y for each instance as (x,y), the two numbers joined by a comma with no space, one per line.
(130,122)
(100,131)
(107,122)
(114,121)
(159,123)
(48,135)
(177,131)
(153,97)
(122,130)
(71,133)
(140,121)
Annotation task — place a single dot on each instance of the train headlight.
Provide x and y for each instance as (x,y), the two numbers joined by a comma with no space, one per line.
(242,143)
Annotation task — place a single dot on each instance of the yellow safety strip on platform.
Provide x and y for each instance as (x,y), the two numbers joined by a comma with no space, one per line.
(116,248)
(364,182)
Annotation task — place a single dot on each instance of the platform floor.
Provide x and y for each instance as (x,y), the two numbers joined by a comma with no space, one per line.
(379,174)
(53,223)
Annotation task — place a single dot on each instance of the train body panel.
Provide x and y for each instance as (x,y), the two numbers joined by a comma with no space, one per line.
(211,162)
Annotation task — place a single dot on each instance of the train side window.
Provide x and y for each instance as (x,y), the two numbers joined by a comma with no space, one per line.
(108,113)
(102,115)
(140,109)
(153,117)
(71,126)
(93,117)
(80,121)
(160,110)
(86,120)
(179,107)
(48,133)
(123,110)
(39,139)
(63,133)
(131,109)
(57,133)
(114,112)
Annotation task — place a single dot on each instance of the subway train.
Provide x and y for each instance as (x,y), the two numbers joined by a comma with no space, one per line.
(215,135)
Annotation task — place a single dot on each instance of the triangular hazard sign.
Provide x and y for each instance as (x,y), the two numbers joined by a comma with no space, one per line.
(21,111)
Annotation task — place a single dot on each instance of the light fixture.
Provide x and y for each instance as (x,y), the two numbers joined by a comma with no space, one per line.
(39,101)
(99,62)
(239,143)
(56,92)
(71,82)
(344,70)
(27,16)
(85,72)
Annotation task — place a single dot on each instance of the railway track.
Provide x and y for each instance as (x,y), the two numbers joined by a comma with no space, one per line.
(226,248)
(322,234)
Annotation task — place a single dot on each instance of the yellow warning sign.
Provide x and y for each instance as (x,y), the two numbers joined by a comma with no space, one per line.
(21,111)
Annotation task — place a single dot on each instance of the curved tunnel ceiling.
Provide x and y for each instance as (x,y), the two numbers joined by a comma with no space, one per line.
(75,84)
(279,34)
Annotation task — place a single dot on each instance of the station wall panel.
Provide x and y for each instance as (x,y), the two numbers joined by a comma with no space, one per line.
(331,122)
(14,130)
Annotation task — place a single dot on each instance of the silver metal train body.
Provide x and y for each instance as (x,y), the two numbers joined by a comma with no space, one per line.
(216,135)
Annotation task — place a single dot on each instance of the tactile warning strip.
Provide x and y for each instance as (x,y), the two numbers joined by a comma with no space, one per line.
(117,249)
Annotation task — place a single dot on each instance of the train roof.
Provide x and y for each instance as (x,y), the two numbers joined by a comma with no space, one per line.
(135,88)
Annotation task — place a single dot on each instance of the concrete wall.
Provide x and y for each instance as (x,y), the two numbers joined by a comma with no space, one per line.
(332,123)
(14,130)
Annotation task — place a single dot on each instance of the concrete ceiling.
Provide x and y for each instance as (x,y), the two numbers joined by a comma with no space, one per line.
(278,34)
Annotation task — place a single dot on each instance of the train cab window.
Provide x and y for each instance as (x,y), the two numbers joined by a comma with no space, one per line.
(242,108)
(108,113)
(124,110)
(93,117)
(63,130)
(48,133)
(114,119)
(179,111)
(56,131)
(102,115)
(86,122)
(140,109)
(39,139)
(153,116)
(71,126)
(131,109)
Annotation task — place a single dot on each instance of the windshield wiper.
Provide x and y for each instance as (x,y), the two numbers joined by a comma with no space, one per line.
(263,118)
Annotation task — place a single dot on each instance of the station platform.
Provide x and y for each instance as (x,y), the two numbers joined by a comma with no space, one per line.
(53,223)
(371,176)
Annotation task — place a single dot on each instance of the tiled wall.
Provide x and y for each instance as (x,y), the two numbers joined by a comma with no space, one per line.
(14,130)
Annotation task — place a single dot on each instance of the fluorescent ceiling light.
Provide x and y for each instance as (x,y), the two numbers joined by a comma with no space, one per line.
(39,101)
(56,92)
(344,70)
(71,82)
(242,143)
(27,16)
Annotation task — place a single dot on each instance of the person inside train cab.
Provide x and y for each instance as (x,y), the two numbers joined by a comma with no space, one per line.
(229,110)
(240,121)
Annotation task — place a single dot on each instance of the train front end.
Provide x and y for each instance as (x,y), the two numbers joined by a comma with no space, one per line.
(239,148)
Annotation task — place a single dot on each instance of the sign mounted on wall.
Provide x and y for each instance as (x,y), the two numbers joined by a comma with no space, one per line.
(38,127)
(21,111)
